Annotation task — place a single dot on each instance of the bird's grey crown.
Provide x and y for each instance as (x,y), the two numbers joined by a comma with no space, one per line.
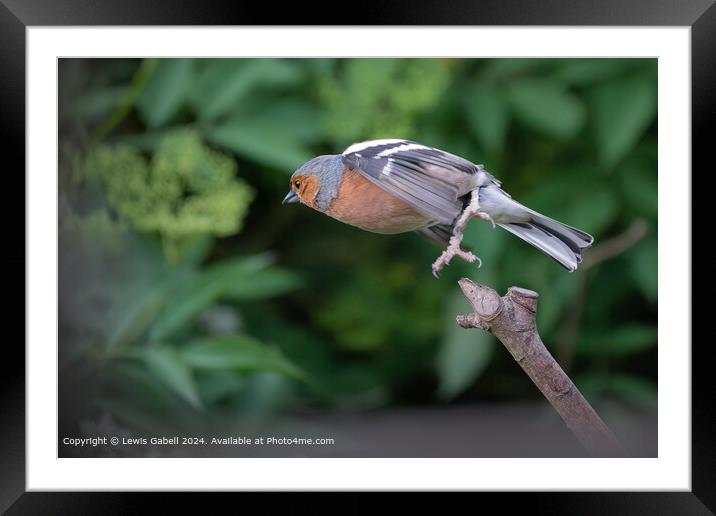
(328,170)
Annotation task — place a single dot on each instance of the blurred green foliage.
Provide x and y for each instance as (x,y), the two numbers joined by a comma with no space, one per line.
(185,189)
(185,287)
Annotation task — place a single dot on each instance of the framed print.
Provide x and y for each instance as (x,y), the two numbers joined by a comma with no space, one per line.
(226,291)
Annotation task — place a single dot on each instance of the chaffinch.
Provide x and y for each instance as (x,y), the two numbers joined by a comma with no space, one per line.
(395,186)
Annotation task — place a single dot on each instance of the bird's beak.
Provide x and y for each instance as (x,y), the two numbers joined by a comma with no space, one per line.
(290,198)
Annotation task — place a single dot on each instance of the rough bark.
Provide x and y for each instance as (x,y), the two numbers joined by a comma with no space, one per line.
(512,319)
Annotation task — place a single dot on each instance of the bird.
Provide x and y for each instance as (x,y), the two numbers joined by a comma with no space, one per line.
(392,186)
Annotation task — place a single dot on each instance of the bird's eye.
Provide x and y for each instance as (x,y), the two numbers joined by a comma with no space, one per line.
(297,184)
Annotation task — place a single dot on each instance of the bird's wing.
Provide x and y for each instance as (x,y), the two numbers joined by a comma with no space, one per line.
(439,233)
(431,180)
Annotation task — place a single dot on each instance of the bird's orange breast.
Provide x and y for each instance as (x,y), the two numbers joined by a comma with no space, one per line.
(362,204)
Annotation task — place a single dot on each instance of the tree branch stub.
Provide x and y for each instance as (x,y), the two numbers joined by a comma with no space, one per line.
(512,319)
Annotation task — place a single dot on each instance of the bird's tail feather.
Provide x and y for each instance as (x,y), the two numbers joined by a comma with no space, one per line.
(559,241)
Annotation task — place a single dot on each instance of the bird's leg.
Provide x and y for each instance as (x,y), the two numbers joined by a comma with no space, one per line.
(453,249)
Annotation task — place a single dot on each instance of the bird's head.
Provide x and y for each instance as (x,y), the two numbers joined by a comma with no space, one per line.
(316,182)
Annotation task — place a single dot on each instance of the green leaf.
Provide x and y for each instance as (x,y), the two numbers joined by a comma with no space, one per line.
(238,353)
(96,104)
(584,72)
(124,105)
(264,284)
(227,81)
(547,106)
(557,186)
(644,267)
(196,294)
(622,110)
(624,340)
(276,136)
(257,145)
(138,396)
(133,380)
(593,210)
(487,115)
(640,190)
(165,91)
(214,386)
(196,291)
(132,316)
(192,251)
(264,393)
(463,354)
(169,367)
(501,69)
(558,290)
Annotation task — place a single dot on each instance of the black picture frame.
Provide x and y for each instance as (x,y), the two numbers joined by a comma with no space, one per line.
(17,15)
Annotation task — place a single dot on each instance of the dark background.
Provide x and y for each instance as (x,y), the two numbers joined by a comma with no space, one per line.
(193,303)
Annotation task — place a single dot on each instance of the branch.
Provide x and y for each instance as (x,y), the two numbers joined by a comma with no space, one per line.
(512,320)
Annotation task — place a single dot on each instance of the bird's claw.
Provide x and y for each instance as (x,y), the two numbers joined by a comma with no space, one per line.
(449,253)
(453,249)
